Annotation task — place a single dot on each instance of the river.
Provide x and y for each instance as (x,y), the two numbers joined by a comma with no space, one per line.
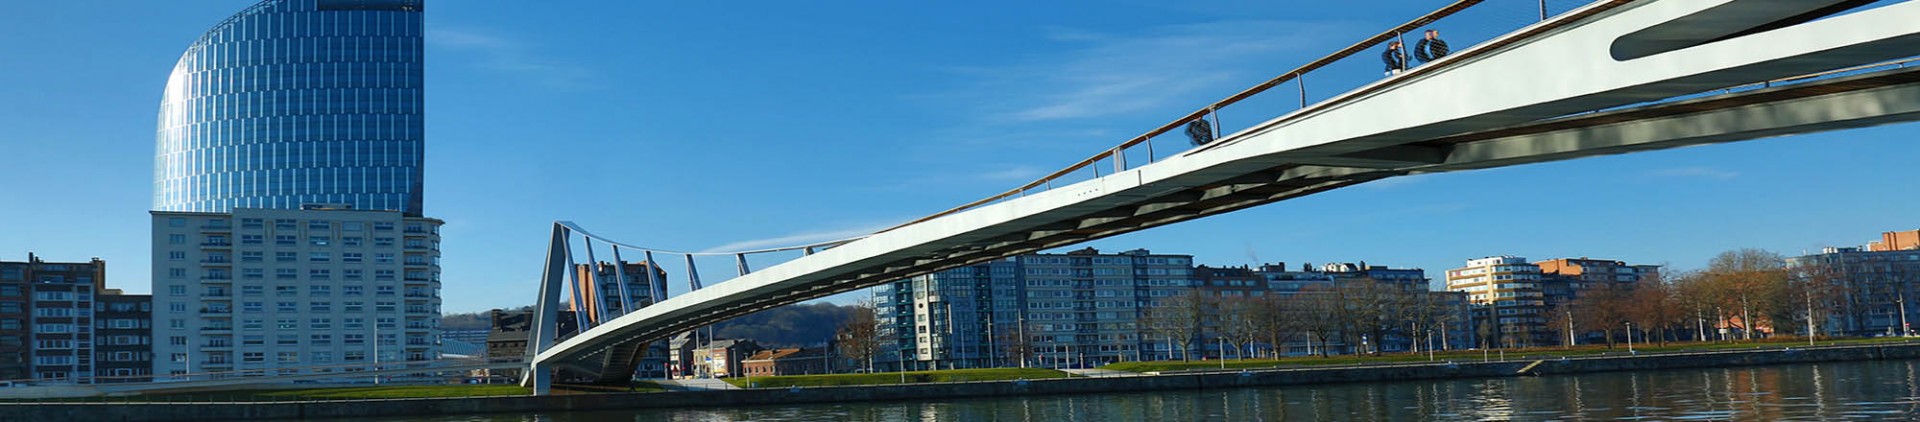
(1869,390)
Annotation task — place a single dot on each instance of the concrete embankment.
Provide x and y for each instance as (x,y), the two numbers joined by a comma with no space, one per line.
(1200,380)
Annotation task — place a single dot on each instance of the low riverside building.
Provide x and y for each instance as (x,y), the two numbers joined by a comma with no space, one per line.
(791,361)
(723,358)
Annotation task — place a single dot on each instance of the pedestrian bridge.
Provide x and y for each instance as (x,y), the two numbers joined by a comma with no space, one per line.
(1606,77)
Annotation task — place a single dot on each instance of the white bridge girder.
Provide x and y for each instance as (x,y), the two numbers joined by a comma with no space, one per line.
(1605,55)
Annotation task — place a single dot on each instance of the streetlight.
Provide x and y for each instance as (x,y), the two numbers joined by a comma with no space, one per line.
(1629,337)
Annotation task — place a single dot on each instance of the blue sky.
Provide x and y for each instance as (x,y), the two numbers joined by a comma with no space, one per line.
(704,125)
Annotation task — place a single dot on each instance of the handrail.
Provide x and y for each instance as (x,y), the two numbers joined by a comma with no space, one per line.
(1294,74)
(826,244)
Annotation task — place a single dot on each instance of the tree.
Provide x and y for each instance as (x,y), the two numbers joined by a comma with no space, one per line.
(1814,290)
(1321,314)
(1241,322)
(1180,319)
(1015,342)
(1752,281)
(1601,307)
(859,337)
(1697,300)
(1653,305)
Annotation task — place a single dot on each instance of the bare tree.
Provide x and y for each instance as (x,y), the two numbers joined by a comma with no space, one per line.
(1814,291)
(1752,281)
(859,337)
(1179,319)
(1241,322)
(1015,342)
(1652,304)
(1601,307)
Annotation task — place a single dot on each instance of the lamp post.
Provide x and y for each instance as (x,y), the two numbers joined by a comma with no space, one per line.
(1629,337)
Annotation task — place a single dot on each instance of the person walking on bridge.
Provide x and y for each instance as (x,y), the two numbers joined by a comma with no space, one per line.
(1430,47)
(1395,58)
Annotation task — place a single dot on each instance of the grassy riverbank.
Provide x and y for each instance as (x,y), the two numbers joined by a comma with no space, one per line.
(952,375)
(1477,355)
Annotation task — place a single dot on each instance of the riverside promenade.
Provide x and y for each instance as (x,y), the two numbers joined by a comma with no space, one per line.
(1108,383)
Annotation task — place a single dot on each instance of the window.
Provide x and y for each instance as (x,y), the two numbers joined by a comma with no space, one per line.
(286,240)
(253,324)
(253,306)
(383,258)
(286,273)
(177,306)
(285,224)
(285,256)
(9,324)
(323,357)
(351,274)
(319,240)
(176,273)
(350,241)
(253,356)
(383,275)
(286,339)
(252,239)
(321,323)
(253,273)
(319,256)
(176,256)
(383,242)
(350,290)
(352,226)
(320,225)
(252,256)
(252,223)
(384,307)
(354,356)
(287,306)
(353,323)
(320,274)
(353,339)
(287,357)
(386,323)
(383,290)
(382,226)
(321,306)
(10,291)
(177,290)
(176,239)
(320,339)
(252,290)
(287,324)
(319,290)
(350,257)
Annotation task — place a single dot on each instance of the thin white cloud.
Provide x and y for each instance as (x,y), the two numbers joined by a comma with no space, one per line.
(1104,74)
(802,238)
(1692,173)
(510,57)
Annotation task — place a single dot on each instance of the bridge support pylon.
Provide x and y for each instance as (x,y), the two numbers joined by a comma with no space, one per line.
(546,312)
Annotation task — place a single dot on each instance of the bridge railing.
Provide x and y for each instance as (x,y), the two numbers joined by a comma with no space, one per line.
(1338,72)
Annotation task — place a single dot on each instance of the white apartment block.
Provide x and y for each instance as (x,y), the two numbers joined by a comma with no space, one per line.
(274,292)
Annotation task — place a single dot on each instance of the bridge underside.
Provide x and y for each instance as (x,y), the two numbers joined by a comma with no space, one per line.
(1491,119)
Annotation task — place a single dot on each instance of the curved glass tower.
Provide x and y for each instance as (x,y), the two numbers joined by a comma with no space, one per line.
(297,102)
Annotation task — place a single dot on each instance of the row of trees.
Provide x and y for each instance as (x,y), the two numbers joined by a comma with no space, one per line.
(1348,317)
(1741,294)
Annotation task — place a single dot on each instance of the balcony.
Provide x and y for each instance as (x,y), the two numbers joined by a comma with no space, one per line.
(216,245)
(216,228)
(216,346)
(217,329)
(420,295)
(223,280)
(215,311)
(217,262)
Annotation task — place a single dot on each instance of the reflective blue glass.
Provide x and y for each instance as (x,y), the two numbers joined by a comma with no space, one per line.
(294,102)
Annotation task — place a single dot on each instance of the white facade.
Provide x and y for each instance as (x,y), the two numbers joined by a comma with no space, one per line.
(271,291)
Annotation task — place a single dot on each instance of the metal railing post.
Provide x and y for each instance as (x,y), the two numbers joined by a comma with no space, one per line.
(1301,80)
(740,260)
(1543,10)
(1119,160)
(1150,157)
(1215,114)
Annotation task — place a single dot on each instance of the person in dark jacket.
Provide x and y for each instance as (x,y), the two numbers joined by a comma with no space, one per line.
(1395,58)
(1431,47)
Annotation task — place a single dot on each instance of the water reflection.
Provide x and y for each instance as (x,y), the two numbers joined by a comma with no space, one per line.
(1813,392)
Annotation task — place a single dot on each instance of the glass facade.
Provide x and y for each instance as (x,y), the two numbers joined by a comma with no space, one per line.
(295,102)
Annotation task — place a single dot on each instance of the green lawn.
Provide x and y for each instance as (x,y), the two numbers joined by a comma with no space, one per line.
(1511,354)
(953,375)
(338,393)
